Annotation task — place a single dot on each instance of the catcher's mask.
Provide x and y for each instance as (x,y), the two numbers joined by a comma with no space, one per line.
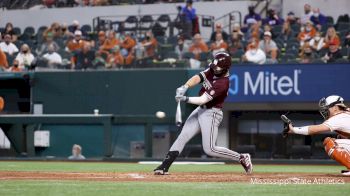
(327,102)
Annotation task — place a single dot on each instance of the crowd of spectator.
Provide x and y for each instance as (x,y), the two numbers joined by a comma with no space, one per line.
(309,38)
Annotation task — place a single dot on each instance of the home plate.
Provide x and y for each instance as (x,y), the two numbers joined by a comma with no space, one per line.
(136,176)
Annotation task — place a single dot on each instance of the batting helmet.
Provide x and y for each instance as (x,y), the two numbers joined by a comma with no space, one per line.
(328,102)
(221,63)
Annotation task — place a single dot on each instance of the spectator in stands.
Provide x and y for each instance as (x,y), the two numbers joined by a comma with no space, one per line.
(291,18)
(287,31)
(198,46)
(317,42)
(65,32)
(110,42)
(115,59)
(254,54)
(331,37)
(76,153)
(25,57)
(333,53)
(54,31)
(9,30)
(254,31)
(7,46)
(127,44)
(272,18)
(307,14)
(347,44)
(150,45)
(181,48)
(74,27)
(269,28)
(49,3)
(3,60)
(306,33)
(251,18)
(100,40)
(219,45)
(100,2)
(269,47)
(306,55)
(235,43)
(318,19)
(236,29)
(218,29)
(83,59)
(189,15)
(52,57)
(347,40)
(15,66)
(77,43)
(43,48)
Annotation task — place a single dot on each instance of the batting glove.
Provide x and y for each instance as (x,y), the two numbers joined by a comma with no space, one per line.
(181,98)
(181,90)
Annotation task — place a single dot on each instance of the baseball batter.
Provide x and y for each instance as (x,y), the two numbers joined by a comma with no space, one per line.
(207,116)
(337,119)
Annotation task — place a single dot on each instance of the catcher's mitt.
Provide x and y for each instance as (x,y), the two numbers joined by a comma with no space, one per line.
(286,122)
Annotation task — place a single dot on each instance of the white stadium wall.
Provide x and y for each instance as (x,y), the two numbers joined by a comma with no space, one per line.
(37,18)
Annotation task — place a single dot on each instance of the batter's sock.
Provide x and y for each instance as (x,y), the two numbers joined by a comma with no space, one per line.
(169,159)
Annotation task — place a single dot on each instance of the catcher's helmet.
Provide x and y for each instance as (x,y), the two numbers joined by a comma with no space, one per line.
(327,102)
(221,63)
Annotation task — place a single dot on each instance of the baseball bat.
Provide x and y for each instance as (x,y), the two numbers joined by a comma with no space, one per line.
(178,115)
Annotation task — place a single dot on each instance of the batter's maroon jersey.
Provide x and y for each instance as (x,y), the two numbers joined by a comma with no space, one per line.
(216,88)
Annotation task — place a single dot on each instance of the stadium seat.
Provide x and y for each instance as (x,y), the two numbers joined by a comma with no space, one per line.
(330,20)
(318,61)
(342,60)
(172,40)
(188,55)
(29,31)
(131,23)
(277,28)
(146,23)
(170,54)
(345,51)
(164,20)
(17,31)
(204,56)
(86,28)
(295,27)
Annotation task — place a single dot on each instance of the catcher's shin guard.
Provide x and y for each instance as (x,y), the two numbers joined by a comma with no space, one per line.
(337,153)
(164,167)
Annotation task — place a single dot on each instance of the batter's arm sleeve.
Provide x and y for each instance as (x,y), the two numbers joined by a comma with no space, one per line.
(193,81)
(205,98)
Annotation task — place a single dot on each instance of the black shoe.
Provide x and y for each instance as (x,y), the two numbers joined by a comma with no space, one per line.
(164,167)
(161,170)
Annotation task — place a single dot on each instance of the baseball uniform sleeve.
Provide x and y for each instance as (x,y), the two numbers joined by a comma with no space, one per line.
(335,122)
(218,88)
(204,74)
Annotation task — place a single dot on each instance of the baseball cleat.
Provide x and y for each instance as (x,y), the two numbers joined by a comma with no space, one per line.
(345,172)
(161,171)
(246,162)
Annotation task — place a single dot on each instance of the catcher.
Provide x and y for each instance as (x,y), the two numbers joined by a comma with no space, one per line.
(337,119)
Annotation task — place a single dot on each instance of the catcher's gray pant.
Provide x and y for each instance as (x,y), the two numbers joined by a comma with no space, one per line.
(207,121)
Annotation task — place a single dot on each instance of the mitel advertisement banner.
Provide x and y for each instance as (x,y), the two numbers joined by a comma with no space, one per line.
(288,83)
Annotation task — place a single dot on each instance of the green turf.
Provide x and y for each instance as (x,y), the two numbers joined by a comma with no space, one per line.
(57,187)
(131,167)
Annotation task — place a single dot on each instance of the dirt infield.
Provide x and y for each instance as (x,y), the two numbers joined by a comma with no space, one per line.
(258,178)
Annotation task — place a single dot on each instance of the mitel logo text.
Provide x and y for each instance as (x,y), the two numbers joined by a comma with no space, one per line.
(266,83)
